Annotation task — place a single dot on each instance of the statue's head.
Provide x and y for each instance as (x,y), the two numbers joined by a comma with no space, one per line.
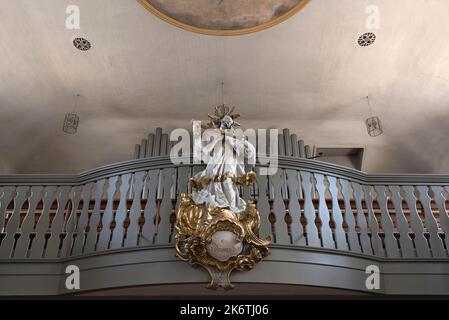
(223,118)
(226,122)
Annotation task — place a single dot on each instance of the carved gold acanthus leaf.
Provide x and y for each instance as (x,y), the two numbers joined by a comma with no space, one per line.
(195,226)
(243,180)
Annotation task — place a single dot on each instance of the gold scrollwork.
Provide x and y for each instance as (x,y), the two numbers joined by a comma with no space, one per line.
(244,180)
(195,226)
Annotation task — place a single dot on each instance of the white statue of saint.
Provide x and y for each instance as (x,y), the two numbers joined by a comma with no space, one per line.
(217,185)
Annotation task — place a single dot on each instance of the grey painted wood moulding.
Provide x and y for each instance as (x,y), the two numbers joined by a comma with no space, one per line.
(286,265)
(160,162)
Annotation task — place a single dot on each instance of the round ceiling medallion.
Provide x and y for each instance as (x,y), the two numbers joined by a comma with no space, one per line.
(224,17)
(81,44)
(366,39)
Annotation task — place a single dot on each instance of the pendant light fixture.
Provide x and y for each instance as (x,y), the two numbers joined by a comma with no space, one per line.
(71,120)
(373,124)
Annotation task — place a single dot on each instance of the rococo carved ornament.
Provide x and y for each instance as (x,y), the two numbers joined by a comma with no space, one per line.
(216,229)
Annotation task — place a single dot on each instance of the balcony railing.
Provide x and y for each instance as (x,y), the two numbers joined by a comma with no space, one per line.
(305,204)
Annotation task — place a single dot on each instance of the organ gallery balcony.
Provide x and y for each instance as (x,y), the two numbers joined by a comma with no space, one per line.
(329,225)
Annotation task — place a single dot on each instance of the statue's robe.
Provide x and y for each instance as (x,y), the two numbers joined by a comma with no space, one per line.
(226,162)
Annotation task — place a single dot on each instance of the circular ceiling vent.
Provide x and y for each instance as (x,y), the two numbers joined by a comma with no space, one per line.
(82,44)
(367,39)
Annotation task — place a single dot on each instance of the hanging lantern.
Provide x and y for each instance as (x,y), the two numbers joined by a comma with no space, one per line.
(71,121)
(373,126)
(373,123)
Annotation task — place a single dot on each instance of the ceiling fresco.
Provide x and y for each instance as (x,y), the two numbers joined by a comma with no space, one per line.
(224,17)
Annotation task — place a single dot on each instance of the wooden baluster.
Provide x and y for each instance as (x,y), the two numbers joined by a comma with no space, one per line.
(376,241)
(157,216)
(22,216)
(431,224)
(279,208)
(263,206)
(6,196)
(340,236)
(421,245)
(444,218)
(323,214)
(130,193)
(364,238)
(54,242)
(182,182)
(37,249)
(11,223)
(286,201)
(287,217)
(164,207)
(81,232)
(309,211)
(108,216)
(354,243)
(272,220)
(95,219)
(271,214)
(121,214)
(447,198)
(70,223)
(300,193)
(28,223)
(297,231)
(171,236)
(407,249)
(150,228)
(131,238)
(391,243)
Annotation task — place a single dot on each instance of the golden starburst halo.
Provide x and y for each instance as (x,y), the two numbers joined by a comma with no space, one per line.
(220,112)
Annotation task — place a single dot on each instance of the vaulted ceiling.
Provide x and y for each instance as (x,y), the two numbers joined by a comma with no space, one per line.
(307,73)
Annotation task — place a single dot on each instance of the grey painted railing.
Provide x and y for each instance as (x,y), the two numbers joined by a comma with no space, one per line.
(307,203)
